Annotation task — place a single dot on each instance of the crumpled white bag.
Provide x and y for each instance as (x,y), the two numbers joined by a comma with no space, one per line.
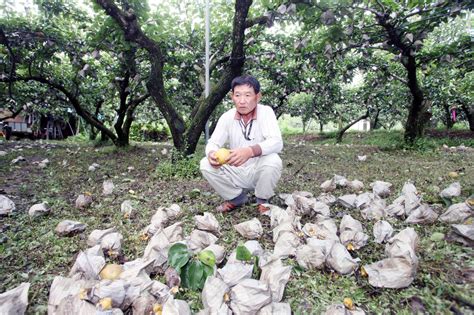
(15,301)
(340,260)
(327,198)
(324,246)
(381,188)
(114,289)
(309,229)
(278,215)
(83,201)
(375,210)
(355,185)
(142,304)
(158,246)
(382,231)
(213,294)
(176,307)
(356,238)
(465,233)
(207,222)
(249,296)
(352,232)
(348,223)
(396,209)
(251,229)
(347,201)
(69,228)
(286,245)
(457,213)
(453,190)
(304,204)
(275,309)
(88,264)
(234,273)
(198,240)
(408,188)
(39,209)
(290,225)
(328,186)
(365,199)
(409,198)
(276,276)
(108,187)
(325,229)
(394,273)
(310,257)
(96,236)
(6,205)
(422,214)
(340,181)
(64,297)
(403,245)
(127,208)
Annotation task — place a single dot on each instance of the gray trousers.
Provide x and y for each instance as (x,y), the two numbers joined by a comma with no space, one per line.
(229,181)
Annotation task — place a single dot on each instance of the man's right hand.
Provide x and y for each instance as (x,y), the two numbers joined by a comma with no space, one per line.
(212,159)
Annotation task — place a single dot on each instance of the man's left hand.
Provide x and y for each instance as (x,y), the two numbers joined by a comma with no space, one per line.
(239,156)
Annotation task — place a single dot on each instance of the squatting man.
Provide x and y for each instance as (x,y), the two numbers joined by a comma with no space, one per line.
(254,138)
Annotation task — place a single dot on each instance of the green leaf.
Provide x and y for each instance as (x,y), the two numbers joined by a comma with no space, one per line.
(447,201)
(243,253)
(178,256)
(207,257)
(194,274)
(256,269)
(208,271)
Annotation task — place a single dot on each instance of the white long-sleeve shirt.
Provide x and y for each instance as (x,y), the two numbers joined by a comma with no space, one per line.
(265,132)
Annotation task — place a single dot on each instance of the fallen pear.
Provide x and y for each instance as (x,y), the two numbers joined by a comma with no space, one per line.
(348,303)
(105,304)
(453,175)
(111,272)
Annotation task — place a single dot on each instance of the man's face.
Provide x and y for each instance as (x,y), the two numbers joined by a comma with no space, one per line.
(245,99)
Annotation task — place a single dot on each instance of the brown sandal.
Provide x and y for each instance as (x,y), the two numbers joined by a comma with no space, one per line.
(225,207)
(262,208)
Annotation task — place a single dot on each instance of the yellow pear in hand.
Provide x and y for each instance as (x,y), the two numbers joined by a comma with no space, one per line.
(222,155)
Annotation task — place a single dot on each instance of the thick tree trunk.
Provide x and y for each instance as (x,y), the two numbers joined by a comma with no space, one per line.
(374,122)
(418,114)
(343,130)
(448,121)
(469,112)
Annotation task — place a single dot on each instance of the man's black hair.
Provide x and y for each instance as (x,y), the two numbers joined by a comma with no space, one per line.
(246,80)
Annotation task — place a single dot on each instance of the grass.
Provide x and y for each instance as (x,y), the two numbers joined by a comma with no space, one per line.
(31,251)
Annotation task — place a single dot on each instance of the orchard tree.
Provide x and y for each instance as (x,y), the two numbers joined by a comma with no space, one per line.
(88,74)
(187,129)
(396,27)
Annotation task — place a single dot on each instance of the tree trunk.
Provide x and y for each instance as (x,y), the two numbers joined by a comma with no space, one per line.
(469,112)
(418,114)
(343,130)
(448,122)
(374,122)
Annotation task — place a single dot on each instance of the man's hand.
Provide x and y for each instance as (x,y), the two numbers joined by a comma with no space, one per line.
(212,159)
(239,156)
